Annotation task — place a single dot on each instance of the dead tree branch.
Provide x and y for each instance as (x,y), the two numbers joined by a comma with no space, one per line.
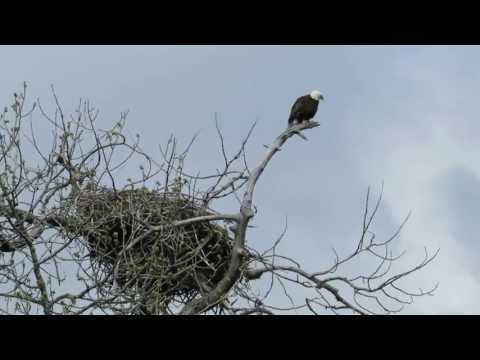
(81,232)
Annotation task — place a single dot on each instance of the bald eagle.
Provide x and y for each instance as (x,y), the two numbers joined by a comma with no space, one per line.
(304,108)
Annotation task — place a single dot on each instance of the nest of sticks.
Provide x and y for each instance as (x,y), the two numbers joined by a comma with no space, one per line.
(172,265)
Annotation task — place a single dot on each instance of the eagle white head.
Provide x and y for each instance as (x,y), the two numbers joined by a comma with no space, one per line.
(317,95)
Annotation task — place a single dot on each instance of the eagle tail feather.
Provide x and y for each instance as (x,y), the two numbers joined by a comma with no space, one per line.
(291,121)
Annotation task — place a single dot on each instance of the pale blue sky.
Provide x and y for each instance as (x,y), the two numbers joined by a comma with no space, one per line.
(405,115)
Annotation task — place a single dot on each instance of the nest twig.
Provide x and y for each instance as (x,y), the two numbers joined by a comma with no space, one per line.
(174,264)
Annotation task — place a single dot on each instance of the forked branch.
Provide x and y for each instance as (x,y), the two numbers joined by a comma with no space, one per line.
(246,213)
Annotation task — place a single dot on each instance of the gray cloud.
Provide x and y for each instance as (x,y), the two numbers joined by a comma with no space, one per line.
(458,202)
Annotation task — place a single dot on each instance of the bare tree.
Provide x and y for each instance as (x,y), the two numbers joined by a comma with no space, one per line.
(76,238)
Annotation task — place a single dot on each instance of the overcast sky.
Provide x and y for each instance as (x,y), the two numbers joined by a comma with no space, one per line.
(404,115)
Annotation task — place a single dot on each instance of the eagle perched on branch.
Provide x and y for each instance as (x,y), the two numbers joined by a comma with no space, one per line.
(305,108)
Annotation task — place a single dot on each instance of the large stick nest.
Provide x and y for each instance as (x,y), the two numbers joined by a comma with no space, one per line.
(172,265)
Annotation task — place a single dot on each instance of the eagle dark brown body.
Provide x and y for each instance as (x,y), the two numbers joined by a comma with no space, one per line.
(304,108)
